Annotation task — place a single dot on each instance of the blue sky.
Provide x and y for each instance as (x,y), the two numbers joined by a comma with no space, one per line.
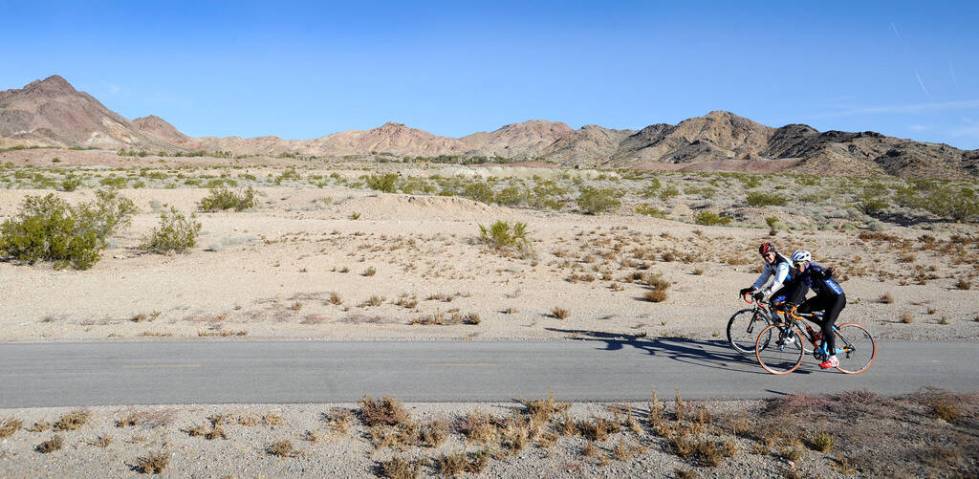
(302,70)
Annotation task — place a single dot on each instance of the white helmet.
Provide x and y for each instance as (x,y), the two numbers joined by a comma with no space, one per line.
(801,256)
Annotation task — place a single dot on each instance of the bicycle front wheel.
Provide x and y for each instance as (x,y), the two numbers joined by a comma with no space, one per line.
(779,349)
(855,348)
(743,327)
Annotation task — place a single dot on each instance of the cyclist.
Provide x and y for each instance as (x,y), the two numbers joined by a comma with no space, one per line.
(829,298)
(776,269)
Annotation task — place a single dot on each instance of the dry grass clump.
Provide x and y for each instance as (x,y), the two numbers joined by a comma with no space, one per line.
(459,463)
(598,428)
(907,317)
(102,441)
(386,411)
(885,298)
(821,442)
(560,313)
(72,420)
(433,433)
(148,419)
(40,426)
(659,287)
(339,419)
(541,410)
(282,448)
(216,431)
(9,426)
(51,445)
(398,468)
(439,318)
(477,426)
(335,299)
(963,284)
(624,451)
(154,463)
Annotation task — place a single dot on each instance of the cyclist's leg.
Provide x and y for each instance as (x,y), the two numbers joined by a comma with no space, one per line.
(835,305)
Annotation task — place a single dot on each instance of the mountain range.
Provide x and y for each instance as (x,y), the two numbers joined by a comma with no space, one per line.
(51,112)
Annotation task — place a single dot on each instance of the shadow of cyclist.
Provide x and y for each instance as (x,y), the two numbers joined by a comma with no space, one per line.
(708,353)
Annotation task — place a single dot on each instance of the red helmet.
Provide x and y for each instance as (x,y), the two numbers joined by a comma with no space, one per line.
(766,248)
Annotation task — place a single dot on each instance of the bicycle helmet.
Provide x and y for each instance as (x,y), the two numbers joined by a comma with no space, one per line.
(766,248)
(801,256)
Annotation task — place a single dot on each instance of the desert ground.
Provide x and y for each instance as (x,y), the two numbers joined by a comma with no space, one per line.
(929,434)
(364,250)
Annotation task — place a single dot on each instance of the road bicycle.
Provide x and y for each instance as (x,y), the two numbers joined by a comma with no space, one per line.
(780,346)
(744,325)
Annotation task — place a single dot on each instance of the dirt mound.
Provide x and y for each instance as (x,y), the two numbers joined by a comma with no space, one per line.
(411,207)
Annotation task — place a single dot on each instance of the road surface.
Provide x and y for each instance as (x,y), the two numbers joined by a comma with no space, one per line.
(597,368)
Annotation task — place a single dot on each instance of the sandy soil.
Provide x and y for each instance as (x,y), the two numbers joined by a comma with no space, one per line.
(270,273)
(778,438)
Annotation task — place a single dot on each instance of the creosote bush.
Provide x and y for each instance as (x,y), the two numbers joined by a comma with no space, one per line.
(598,200)
(757,198)
(47,228)
(709,218)
(387,183)
(176,233)
(221,198)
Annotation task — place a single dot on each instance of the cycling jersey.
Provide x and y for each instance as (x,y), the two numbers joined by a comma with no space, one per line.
(815,278)
(780,270)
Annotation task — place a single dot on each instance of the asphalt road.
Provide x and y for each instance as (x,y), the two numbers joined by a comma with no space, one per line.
(595,369)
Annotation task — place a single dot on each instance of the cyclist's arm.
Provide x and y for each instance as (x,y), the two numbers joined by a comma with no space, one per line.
(781,272)
(766,273)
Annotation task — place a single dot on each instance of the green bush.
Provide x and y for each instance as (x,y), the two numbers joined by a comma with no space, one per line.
(47,228)
(650,210)
(478,191)
(501,235)
(510,196)
(652,188)
(709,218)
(598,200)
(176,233)
(669,192)
(957,204)
(70,183)
(387,182)
(220,199)
(757,198)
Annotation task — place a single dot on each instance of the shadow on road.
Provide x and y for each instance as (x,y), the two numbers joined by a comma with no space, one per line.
(707,353)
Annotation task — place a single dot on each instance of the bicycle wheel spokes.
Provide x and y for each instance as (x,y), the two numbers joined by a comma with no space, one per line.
(855,348)
(743,327)
(779,349)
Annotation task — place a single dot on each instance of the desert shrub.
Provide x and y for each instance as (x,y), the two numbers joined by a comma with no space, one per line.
(176,233)
(772,222)
(49,229)
(510,196)
(669,192)
(70,183)
(652,188)
(478,191)
(650,210)
(758,198)
(598,200)
(709,218)
(415,184)
(220,199)
(386,182)
(503,235)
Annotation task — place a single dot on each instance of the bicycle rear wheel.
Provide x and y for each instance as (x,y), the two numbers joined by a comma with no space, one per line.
(779,349)
(855,348)
(743,327)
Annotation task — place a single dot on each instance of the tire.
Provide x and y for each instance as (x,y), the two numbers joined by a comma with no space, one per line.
(779,350)
(742,329)
(859,348)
